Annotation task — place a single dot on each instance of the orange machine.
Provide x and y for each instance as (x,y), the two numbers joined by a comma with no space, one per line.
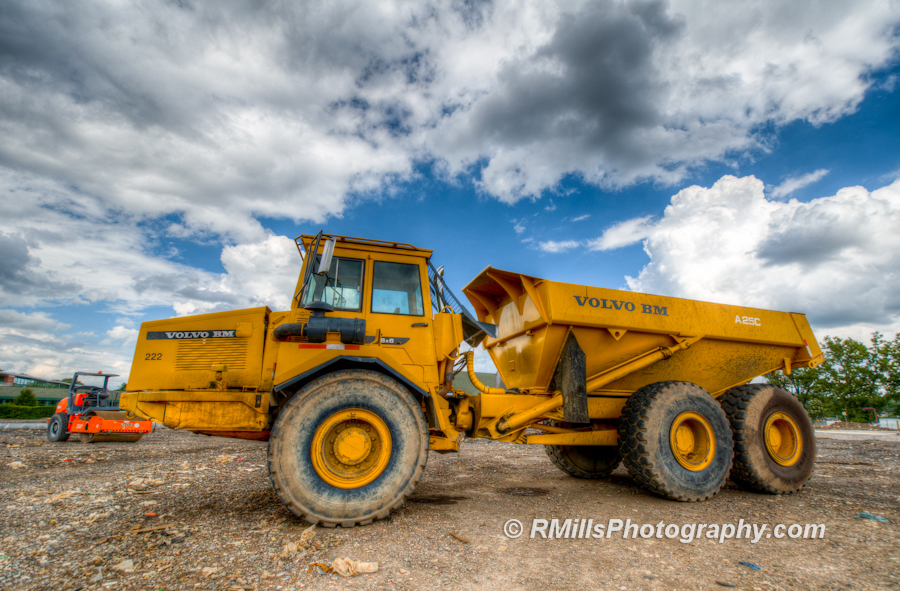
(92,412)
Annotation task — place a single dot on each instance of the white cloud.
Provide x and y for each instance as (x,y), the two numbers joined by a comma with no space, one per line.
(623,234)
(562,246)
(796,183)
(833,258)
(581,218)
(34,321)
(622,91)
(120,333)
(519,227)
(218,114)
(36,344)
(263,273)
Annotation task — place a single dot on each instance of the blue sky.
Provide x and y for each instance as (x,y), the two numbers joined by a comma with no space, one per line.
(159,159)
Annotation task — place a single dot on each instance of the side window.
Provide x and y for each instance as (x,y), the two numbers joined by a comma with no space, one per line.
(396,289)
(342,287)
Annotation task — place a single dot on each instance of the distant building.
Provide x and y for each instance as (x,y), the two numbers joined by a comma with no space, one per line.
(47,392)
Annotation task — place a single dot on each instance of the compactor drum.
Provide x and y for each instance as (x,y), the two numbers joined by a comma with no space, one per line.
(354,384)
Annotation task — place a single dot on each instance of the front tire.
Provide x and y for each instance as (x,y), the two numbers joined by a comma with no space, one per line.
(58,427)
(774,441)
(676,441)
(348,448)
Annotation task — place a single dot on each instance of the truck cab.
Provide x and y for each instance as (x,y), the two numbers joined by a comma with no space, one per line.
(374,305)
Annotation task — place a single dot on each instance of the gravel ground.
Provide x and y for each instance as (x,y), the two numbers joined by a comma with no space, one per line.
(74,515)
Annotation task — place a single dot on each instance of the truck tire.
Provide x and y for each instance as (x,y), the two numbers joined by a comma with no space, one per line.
(58,427)
(584,461)
(348,448)
(774,441)
(676,441)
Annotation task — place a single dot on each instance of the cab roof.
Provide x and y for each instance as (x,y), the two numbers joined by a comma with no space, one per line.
(304,243)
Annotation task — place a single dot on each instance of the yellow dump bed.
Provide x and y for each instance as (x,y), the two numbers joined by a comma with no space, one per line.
(730,345)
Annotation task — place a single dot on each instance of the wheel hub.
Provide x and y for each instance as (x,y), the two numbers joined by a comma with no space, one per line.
(783,440)
(692,441)
(351,448)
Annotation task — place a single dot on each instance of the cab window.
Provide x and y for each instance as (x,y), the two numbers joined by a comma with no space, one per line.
(396,289)
(341,287)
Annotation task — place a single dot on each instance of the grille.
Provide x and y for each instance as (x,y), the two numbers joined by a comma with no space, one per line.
(196,355)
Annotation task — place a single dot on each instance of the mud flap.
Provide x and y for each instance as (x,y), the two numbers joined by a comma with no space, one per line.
(570,378)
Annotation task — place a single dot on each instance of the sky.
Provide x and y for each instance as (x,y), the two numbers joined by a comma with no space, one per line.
(159,157)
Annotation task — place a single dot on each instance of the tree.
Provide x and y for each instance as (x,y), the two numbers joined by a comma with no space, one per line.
(849,378)
(121,387)
(886,360)
(816,408)
(801,382)
(26,397)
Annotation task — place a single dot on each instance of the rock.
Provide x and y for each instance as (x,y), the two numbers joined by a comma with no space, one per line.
(16,465)
(126,566)
(347,567)
(289,550)
(308,534)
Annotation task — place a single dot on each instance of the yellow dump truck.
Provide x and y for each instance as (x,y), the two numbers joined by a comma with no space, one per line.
(353,385)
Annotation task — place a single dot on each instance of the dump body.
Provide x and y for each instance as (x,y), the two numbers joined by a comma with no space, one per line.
(730,345)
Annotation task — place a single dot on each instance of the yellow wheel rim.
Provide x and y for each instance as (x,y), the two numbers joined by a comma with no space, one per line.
(351,448)
(783,440)
(692,441)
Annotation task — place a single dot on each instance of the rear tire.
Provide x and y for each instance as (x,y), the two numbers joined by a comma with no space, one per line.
(676,441)
(584,461)
(774,441)
(58,427)
(316,480)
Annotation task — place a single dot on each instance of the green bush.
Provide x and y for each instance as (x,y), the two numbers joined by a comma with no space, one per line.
(14,411)
(26,398)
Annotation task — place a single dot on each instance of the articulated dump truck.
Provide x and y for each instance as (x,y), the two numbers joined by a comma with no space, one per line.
(353,385)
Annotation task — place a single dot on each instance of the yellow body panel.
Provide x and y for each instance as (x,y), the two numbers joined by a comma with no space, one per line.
(219,351)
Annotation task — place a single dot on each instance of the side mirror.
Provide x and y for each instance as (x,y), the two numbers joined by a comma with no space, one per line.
(327,254)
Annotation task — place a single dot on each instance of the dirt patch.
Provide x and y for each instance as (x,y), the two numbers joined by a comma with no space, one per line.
(525,491)
(435,499)
(73,512)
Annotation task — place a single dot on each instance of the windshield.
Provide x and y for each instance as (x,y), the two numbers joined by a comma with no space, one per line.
(341,287)
(95,381)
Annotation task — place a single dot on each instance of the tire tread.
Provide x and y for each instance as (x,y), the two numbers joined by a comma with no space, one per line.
(322,521)
(735,403)
(633,431)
